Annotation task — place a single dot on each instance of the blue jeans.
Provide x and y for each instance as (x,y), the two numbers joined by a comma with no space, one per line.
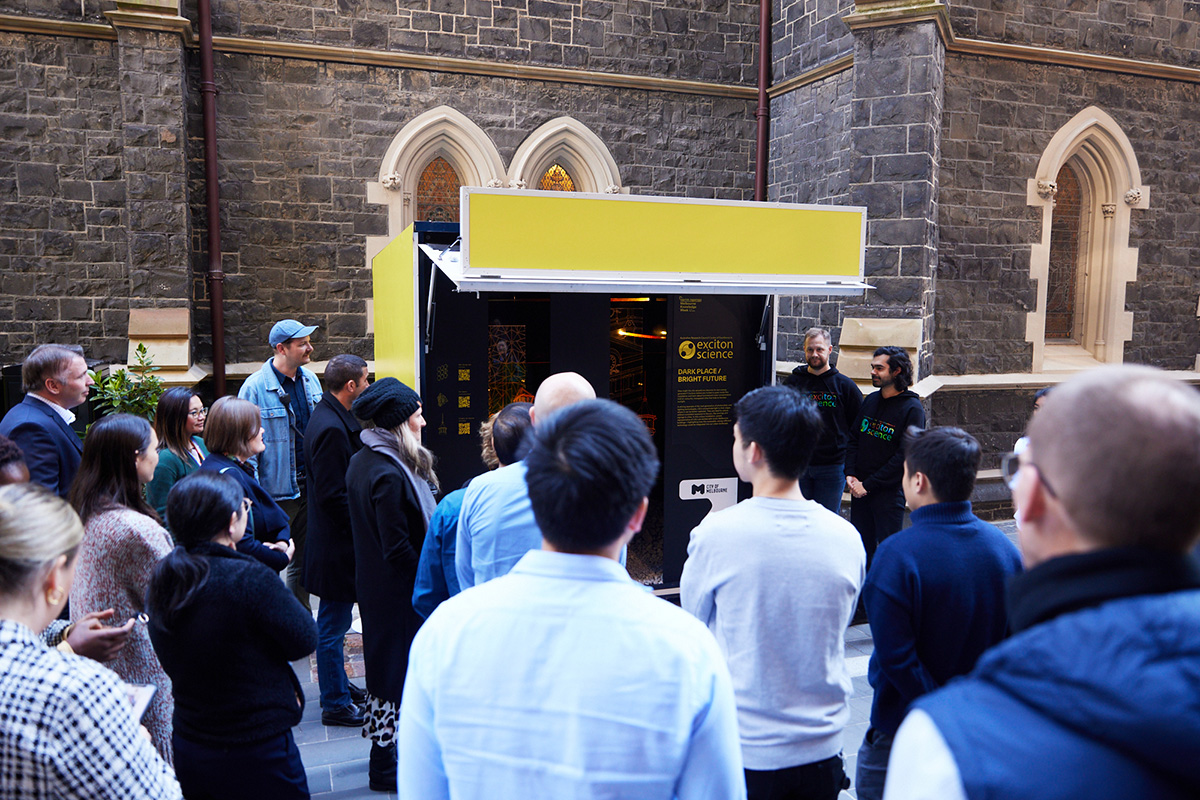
(825,484)
(333,620)
(871,772)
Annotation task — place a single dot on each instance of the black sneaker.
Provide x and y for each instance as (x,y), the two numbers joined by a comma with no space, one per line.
(358,695)
(348,716)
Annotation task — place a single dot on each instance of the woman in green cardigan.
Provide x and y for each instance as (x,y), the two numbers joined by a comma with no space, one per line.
(179,422)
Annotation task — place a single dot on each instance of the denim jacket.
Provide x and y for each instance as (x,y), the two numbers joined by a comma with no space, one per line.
(276,466)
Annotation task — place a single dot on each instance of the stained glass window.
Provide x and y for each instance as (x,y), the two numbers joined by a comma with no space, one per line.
(557,179)
(1065,235)
(437,192)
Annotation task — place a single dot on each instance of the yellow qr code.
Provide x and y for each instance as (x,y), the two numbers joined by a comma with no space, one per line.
(464,401)
(464,428)
(464,374)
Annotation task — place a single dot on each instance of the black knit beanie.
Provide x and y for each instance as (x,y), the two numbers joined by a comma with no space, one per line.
(387,402)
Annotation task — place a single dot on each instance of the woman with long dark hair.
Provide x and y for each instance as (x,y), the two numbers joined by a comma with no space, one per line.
(225,628)
(179,423)
(122,542)
(390,483)
(66,730)
(234,435)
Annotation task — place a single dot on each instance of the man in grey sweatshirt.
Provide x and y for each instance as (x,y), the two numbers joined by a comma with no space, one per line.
(776,579)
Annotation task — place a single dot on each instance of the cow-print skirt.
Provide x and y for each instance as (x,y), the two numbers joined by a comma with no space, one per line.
(380,726)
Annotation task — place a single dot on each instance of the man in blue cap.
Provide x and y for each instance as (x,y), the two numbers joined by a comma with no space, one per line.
(286,394)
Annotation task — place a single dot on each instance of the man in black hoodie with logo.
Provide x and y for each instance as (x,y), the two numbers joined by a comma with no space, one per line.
(875,452)
(838,399)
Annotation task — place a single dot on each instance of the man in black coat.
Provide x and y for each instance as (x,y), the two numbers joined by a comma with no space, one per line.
(329,440)
(55,379)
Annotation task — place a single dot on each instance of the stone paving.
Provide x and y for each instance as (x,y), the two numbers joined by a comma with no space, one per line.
(336,758)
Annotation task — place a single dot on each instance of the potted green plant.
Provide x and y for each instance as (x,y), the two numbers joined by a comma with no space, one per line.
(133,391)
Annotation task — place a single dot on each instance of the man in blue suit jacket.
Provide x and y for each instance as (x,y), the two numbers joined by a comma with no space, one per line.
(55,379)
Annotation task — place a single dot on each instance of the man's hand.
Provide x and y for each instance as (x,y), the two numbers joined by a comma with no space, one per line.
(287,547)
(93,639)
(855,486)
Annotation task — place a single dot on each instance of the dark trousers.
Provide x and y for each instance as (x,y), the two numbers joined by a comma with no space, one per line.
(877,516)
(820,780)
(297,511)
(257,771)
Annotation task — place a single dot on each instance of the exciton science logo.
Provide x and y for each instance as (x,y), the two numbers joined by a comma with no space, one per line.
(706,348)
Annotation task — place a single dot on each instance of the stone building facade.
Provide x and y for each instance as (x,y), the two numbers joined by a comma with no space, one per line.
(951,123)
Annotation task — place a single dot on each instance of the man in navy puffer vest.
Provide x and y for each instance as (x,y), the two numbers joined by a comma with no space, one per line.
(1097,693)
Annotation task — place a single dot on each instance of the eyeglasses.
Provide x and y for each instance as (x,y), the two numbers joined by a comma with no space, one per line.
(1010,466)
(246,503)
(198,413)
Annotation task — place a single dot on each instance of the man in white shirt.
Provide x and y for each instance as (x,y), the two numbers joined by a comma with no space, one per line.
(564,678)
(776,579)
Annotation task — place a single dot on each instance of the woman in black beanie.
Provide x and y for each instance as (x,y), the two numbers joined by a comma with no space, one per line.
(390,483)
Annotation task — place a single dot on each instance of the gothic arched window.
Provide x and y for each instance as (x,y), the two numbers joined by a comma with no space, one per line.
(556,179)
(1062,287)
(437,192)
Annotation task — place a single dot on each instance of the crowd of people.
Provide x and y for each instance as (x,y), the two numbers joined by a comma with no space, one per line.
(154,587)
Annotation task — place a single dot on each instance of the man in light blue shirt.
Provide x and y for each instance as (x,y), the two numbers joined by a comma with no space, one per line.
(565,678)
(437,576)
(496,525)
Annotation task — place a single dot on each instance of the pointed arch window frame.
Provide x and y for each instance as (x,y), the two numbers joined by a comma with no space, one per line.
(576,148)
(1107,166)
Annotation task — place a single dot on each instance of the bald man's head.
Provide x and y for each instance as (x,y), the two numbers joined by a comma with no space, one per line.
(1121,448)
(559,391)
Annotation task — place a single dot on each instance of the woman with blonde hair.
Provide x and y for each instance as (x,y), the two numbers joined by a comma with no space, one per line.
(66,725)
(390,483)
(122,542)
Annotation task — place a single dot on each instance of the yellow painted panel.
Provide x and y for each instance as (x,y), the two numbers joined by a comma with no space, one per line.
(552,231)
(394,281)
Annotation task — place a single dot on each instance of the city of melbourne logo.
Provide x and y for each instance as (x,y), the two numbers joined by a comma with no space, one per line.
(878,429)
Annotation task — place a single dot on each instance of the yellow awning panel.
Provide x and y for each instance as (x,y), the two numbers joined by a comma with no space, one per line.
(547,241)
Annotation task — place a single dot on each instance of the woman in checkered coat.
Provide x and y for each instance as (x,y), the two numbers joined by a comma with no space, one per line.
(66,727)
(122,542)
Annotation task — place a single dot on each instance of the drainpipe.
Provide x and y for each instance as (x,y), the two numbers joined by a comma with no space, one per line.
(216,276)
(763,112)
